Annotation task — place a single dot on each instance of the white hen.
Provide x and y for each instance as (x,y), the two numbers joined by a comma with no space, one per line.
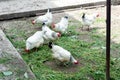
(49,34)
(61,54)
(46,18)
(61,26)
(34,41)
(88,20)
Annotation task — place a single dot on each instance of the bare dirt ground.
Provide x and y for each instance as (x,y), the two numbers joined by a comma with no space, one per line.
(67,69)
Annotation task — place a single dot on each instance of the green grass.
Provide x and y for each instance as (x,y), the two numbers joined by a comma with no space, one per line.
(91,55)
(3,60)
(1,75)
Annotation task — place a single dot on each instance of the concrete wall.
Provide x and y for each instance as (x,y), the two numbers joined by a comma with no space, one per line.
(115,2)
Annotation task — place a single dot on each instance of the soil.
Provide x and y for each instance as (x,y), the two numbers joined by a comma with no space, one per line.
(69,68)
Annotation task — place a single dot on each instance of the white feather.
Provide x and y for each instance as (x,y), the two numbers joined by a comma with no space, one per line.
(35,40)
(62,54)
(88,20)
(49,34)
(62,25)
(47,18)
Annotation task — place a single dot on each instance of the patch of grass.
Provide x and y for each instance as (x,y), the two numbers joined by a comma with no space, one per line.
(98,20)
(90,54)
(1,75)
(3,60)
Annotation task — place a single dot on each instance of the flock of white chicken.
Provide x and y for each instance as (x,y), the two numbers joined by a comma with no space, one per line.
(48,34)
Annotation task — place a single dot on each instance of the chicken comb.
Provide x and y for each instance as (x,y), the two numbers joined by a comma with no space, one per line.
(98,15)
(33,22)
(59,34)
(52,25)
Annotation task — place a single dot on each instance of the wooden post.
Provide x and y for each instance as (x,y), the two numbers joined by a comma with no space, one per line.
(108,37)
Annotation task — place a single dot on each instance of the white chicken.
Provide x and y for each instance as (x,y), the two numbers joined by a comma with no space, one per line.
(49,34)
(88,20)
(34,41)
(46,18)
(61,54)
(61,26)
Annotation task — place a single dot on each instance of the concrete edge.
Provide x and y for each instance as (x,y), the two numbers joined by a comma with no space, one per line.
(40,12)
(15,54)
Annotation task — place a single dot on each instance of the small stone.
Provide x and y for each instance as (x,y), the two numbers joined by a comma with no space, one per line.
(7,73)
(26,75)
